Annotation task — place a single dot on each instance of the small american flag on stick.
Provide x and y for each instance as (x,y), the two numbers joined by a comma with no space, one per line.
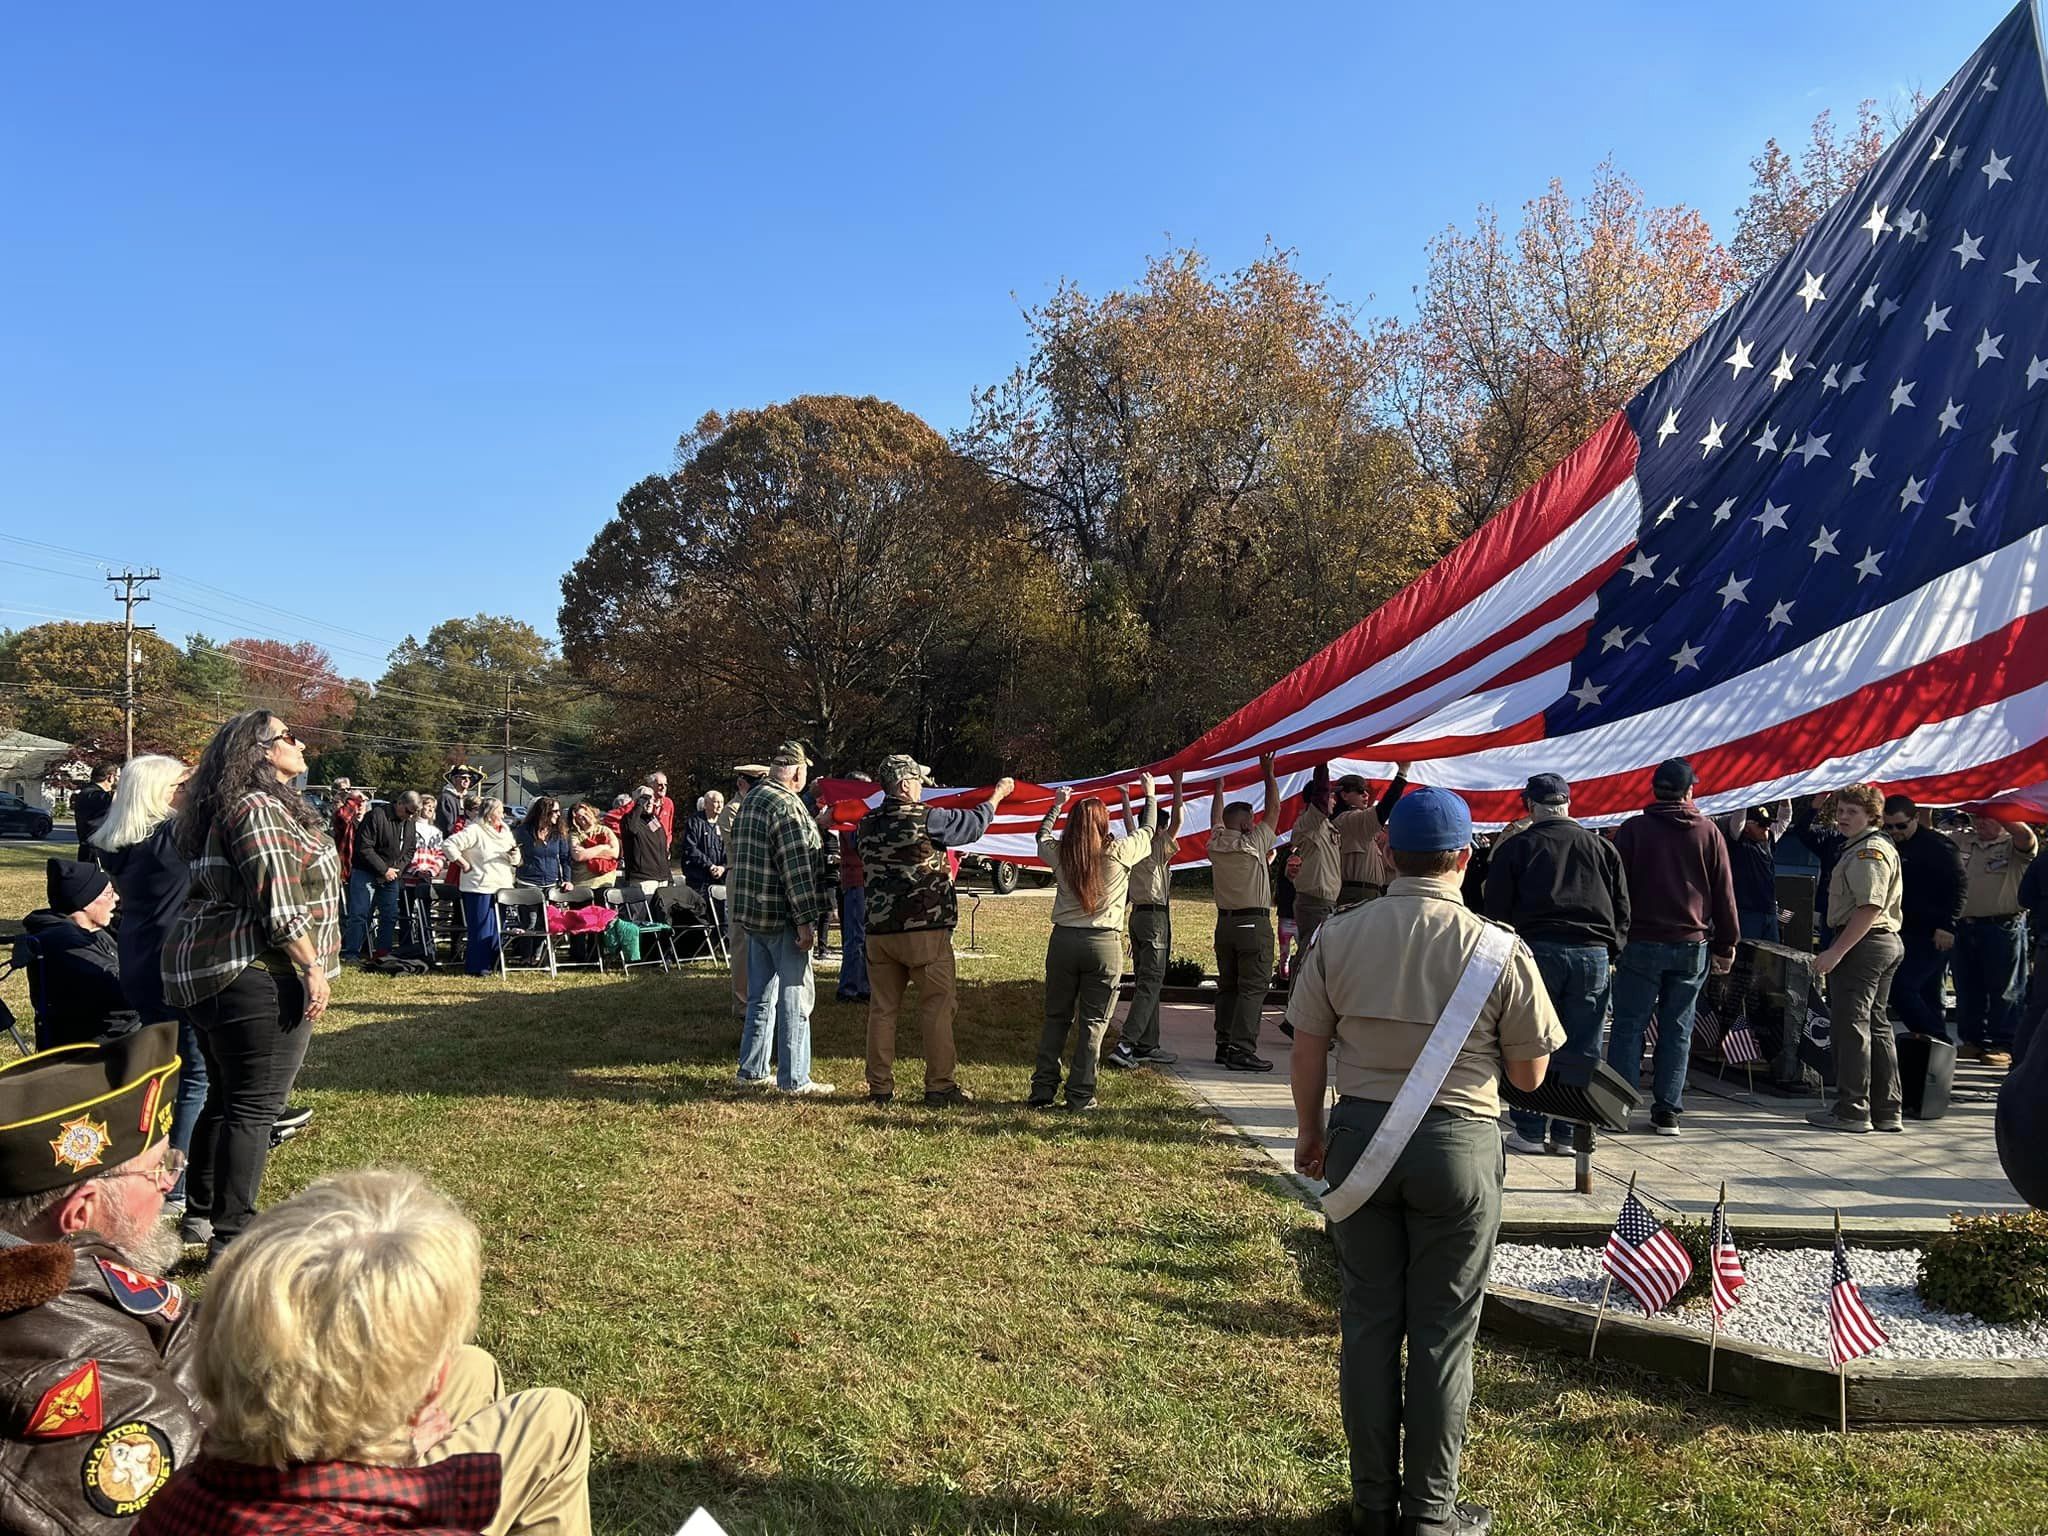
(1738,1045)
(1645,1257)
(1728,1275)
(1852,1331)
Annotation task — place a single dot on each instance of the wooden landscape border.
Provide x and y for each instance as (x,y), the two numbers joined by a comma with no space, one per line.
(1888,1392)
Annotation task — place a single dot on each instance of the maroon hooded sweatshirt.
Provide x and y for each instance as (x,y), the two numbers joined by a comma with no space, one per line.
(1680,887)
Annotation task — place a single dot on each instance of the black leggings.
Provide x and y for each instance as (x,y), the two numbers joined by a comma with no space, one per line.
(253,1033)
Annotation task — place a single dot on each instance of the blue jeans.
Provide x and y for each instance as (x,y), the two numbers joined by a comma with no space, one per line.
(779,996)
(1987,955)
(367,894)
(1578,981)
(853,946)
(1762,926)
(191,1097)
(1664,981)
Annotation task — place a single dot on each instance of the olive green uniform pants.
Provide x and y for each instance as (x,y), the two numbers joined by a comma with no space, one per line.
(1413,1262)
(1244,972)
(1151,944)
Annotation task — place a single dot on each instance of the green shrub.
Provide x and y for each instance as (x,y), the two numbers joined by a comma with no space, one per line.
(1992,1267)
(1696,1238)
(1183,972)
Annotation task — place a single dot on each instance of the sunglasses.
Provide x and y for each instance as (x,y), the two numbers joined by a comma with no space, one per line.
(1896,826)
(271,741)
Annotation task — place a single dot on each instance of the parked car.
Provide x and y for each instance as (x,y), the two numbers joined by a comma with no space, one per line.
(1002,875)
(20,819)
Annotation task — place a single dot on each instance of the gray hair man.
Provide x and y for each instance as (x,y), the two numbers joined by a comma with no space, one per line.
(911,914)
(774,881)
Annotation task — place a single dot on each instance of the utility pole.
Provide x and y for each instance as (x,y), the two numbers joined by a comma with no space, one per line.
(505,763)
(128,582)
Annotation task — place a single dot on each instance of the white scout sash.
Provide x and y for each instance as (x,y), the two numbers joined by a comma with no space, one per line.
(1419,1090)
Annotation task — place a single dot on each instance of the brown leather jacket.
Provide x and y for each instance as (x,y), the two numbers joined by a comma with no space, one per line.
(98,1398)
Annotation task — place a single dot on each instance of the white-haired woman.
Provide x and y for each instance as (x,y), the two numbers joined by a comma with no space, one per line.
(137,846)
(342,1394)
(487,854)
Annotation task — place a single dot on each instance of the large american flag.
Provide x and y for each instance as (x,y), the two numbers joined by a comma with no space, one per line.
(1852,1331)
(1645,1257)
(1809,553)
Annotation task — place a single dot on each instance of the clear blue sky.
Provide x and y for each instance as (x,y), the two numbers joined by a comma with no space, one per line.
(283,281)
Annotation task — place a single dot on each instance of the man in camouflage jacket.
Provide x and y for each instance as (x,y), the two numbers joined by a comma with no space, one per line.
(911,914)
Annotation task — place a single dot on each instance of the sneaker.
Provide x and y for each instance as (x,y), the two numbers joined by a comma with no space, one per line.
(1156,1056)
(882,1100)
(1468,1520)
(811,1090)
(1994,1056)
(1888,1125)
(1828,1120)
(1517,1142)
(1222,1055)
(947,1098)
(174,1211)
(195,1231)
(754,1082)
(1246,1061)
(1560,1146)
(1040,1101)
(1664,1122)
(1082,1106)
(1122,1057)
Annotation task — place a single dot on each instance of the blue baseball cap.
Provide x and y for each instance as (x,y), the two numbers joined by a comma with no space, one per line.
(1429,821)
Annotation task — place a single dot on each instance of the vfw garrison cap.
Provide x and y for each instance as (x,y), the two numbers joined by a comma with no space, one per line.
(78,1111)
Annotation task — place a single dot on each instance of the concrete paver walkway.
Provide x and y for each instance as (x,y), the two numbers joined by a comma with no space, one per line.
(1774,1163)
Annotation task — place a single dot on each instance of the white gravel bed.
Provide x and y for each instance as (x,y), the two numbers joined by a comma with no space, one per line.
(1785,1303)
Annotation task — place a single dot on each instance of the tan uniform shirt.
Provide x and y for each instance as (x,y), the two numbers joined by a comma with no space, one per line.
(1992,872)
(1315,839)
(1358,840)
(1152,875)
(1867,874)
(1380,975)
(1237,863)
(1117,861)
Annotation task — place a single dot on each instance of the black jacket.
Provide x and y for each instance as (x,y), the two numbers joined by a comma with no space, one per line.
(702,848)
(448,809)
(385,840)
(1932,867)
(60,1312)
(89,808)
(1559,881)
(77,976)
(643,849)
(152,877)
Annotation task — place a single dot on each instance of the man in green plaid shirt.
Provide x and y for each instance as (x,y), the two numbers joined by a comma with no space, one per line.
(774,882)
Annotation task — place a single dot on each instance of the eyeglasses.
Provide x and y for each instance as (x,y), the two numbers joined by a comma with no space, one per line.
(271,741)
(164,1175)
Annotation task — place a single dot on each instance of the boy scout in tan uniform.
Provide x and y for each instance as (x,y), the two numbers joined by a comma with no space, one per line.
(1987,954)
(1238,850)
(1866,910)
(1317,863)
(1151,942)
(1414,1257)
(1359,823)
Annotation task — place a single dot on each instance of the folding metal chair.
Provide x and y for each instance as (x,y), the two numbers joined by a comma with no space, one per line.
(691,916)
(524,942)
(635,903)
(25,957)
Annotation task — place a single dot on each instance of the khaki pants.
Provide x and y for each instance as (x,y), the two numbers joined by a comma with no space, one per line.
(541,1439)
(894,961)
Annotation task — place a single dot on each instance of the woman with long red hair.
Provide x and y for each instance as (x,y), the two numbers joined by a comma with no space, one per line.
(1085,954)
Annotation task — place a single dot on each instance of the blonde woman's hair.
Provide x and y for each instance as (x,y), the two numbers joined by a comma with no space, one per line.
(327,1323)
(142,803)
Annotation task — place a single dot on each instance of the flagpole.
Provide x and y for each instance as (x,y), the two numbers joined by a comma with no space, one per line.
(1713,1271)
(1605,1291)
(1841,1370)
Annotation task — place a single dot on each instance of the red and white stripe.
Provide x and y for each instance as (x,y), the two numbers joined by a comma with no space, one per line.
(1728,1277)
(1654,1273)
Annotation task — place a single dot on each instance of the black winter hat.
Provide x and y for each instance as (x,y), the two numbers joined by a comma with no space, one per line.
(74,886)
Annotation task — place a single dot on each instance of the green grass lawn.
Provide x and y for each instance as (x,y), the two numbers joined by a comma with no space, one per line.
(820,1317)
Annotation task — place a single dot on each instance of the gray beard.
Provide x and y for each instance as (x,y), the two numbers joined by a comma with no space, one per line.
(155,1252)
